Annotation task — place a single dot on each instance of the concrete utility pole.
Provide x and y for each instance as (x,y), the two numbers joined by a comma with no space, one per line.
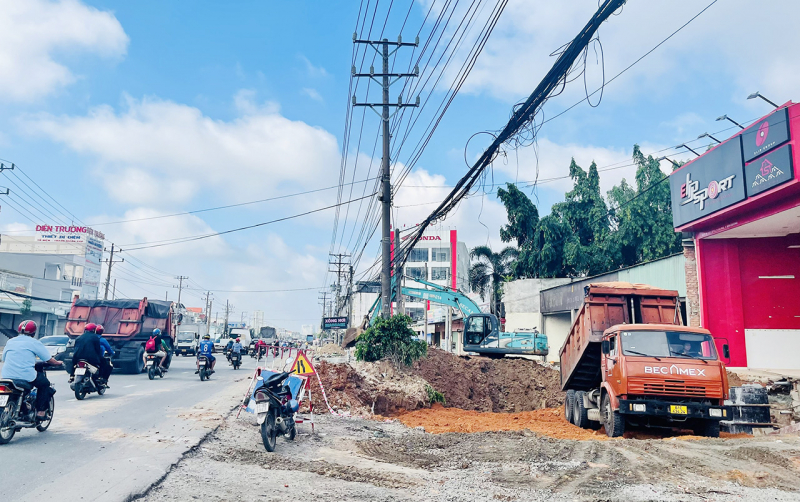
(382,48)
(339,261)
(114,294)
(110,262)
(180,278)
(209,302)
(228,308)
(398,272)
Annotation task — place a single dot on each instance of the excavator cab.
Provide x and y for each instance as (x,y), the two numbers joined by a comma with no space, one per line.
(479,329)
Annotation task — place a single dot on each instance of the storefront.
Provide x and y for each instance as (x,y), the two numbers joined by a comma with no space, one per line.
(739,208)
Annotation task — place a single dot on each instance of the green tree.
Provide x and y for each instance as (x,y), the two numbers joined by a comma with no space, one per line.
(489,271)
(391,339)
(25,308)
(523,216)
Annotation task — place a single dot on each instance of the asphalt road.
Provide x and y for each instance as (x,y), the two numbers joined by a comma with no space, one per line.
(108,447)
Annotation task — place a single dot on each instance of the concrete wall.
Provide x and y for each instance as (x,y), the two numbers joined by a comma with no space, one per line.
(667,273)
(556,327)
(522,303)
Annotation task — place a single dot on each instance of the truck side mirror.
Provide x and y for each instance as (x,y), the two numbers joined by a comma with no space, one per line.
(197,336)
(726,351)
(606,347)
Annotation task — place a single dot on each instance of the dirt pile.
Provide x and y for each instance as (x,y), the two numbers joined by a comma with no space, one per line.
(483,384)
(480,384)
(330,349)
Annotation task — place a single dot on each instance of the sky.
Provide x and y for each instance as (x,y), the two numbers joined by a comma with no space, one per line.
(127,113)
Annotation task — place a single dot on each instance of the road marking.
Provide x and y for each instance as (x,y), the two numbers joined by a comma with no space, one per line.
(129,386)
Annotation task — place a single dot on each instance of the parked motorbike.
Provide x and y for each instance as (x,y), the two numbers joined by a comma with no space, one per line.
(153,367)
(86,379)
(18,407)
(205,368)
(275,410)
(235,360)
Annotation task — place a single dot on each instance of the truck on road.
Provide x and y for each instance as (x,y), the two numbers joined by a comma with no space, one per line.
(188,338)
(128,325)
(628,360)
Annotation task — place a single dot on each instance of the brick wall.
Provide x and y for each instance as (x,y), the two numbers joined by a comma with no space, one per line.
(692,286)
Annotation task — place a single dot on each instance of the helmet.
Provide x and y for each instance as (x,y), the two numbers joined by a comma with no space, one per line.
(206,337)
(27,327)
(156,332)
(90,327)
(99,329)
(237,340)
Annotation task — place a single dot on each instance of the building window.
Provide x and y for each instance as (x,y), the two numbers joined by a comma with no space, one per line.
(416,314)
(440,273)
(417,273)
(440,254)
(418,254)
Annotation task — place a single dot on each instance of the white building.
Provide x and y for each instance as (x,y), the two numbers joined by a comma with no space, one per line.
(257,320)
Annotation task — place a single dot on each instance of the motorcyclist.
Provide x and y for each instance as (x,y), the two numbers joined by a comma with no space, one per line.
(157,348)
(228,349)
(89,349)
(260,347)
(165,342)
(106,367)
(19,356)
(206,349)
(236,348)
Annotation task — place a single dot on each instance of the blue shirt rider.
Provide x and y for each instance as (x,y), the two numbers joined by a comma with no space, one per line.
(237,346)
(206,349)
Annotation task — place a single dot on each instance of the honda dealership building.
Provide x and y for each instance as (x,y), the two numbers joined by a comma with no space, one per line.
(738,206)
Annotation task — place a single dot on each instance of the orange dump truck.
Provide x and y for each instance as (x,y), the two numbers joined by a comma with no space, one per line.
(628,360)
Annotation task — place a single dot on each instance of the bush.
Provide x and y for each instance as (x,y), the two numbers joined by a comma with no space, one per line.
(434,396)
(390,339)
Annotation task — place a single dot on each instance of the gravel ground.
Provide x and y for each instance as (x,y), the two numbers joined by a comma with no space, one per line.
(356,459)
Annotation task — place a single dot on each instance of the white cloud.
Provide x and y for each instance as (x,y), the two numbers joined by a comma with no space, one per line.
(154,147)
(32,32)
(313,70)
(312,93)
(751,45)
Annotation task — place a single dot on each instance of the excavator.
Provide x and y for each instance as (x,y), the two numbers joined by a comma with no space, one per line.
(482,333)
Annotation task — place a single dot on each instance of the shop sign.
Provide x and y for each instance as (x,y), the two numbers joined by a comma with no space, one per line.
(62,233)
(769,171)
(334,322)
(762,137)
(711,182)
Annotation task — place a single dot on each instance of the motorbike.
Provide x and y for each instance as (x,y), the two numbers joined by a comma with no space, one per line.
(205,368)
(153,367)
(235,360)
(86,379)
(275,409)
(18,407)
(274,351)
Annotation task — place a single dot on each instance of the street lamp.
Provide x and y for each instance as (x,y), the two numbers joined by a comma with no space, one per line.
(759,95)
(706,135)
(667,158)
(683,145)
(725,117)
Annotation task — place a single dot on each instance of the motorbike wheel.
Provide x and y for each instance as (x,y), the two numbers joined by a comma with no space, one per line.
(44,424)
(80,392)
(151,373)
(101,389)
(8,414)
(202,374)
(292,433)
(160,373)
(269,433)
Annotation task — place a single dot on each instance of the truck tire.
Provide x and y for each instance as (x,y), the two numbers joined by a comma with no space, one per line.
(569,404)
(580,414)
(613,421)
(707,428)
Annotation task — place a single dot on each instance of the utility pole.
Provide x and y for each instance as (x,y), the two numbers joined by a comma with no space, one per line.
(209,302)
(398,272)
(180,278)
(382,48)
(338,260)
(114,294)
(110,262)
(228,308)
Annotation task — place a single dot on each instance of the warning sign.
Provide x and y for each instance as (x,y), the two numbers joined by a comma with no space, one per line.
(302,366)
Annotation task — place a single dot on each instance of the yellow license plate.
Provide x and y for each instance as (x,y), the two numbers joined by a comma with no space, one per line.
(678,410)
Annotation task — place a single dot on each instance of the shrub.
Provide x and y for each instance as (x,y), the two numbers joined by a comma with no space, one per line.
(434,396)
(390,339)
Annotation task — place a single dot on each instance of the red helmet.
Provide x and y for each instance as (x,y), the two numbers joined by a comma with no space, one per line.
(27,327)
(90,327)
(99,329)
(237,340)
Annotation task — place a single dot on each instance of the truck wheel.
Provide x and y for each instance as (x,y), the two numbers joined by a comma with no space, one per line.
(613,421)
(707,428)
(580,414)
(569,404)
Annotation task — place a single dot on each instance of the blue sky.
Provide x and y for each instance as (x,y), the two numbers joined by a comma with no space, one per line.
(125,110)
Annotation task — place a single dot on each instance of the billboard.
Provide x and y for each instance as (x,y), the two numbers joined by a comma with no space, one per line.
(770,133)
(771,170)
(334,322)
(69,234)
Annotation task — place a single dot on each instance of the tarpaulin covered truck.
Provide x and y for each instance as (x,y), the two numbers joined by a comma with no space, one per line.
(128,325)
(629,361)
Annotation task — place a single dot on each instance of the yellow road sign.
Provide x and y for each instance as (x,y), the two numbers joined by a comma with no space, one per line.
(302,366)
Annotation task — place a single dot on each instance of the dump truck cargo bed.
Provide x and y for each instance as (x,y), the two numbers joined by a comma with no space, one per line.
(605,305)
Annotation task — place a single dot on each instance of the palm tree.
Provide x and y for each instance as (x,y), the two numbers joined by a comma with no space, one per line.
(489,271)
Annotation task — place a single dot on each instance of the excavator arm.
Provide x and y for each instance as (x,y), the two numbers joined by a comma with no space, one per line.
(436,294)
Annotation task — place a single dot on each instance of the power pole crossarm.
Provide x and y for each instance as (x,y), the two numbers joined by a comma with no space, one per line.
(382,47)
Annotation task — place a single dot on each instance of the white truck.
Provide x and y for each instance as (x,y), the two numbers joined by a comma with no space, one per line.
(244,336)
(188,338)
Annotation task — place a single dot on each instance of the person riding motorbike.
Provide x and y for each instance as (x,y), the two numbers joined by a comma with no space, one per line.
(228,349)
(165,342)
(19,356)
(157,348)
(106,367)
(206,349)
(237,347)
(89,349)
(260,347)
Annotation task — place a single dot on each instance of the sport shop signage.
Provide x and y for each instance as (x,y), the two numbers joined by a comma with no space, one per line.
(769,171)
(709,183)
(765,135)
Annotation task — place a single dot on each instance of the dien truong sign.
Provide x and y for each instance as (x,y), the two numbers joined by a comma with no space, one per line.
(62,233)
(334,322)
